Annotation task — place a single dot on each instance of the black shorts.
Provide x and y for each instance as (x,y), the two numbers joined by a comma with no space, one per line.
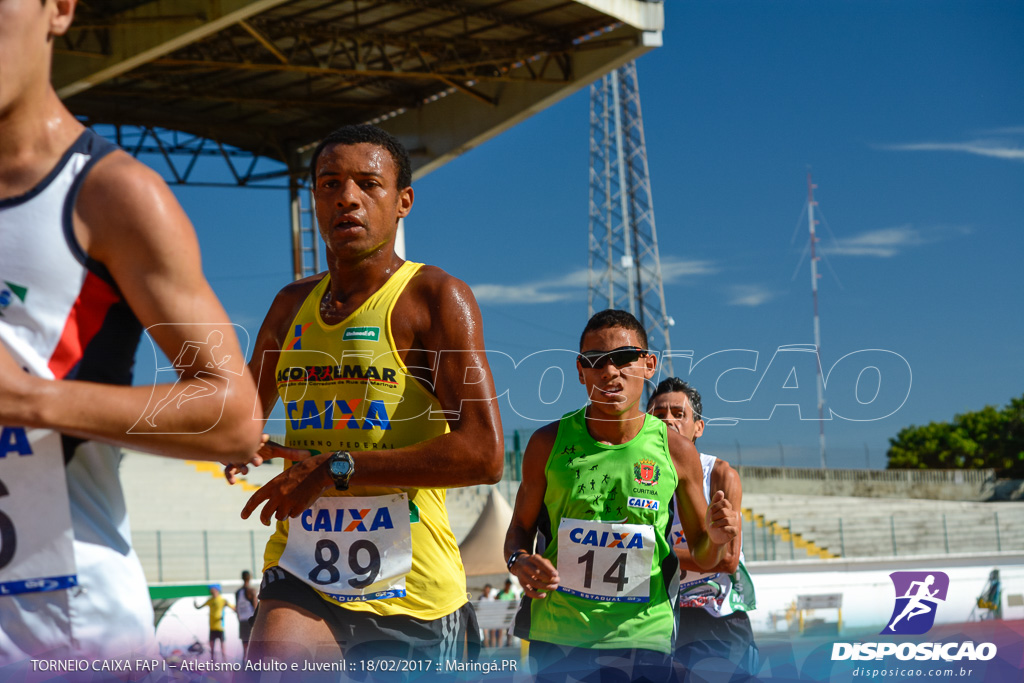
(364,635)
(216,635)
(700,636)
(244,629)
(551,663)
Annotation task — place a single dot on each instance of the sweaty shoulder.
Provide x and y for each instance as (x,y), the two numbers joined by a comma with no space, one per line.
(545,436)
(435,284)
(120,197)
(297,291)
(287,304)
(441,305)
(682,450)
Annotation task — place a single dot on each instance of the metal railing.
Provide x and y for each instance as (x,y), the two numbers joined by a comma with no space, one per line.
(895,476)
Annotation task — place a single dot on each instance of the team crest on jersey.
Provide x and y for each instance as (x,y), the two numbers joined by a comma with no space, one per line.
(646,472)
(9,293)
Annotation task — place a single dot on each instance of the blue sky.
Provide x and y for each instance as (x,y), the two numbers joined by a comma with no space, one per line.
(910,116)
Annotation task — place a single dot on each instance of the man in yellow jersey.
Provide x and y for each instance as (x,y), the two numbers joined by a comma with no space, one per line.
(216,602)
(389,400)
(597,495)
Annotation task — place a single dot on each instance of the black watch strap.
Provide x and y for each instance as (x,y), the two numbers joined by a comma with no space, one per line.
(515,556)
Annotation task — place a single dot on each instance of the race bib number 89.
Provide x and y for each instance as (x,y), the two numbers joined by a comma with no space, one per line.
(352,548)
(605,561)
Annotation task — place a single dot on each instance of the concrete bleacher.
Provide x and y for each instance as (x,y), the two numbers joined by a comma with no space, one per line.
(186,523)
(885,527)
(185,495)
(185,518)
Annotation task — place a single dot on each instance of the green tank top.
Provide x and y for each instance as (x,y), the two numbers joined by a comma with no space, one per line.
(606,521)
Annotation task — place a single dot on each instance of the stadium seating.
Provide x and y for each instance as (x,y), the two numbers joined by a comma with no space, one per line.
(886,527)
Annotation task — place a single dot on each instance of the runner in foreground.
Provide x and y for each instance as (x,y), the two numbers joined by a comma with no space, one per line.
(713,606)
(597,494)
(389,400)
(93,249)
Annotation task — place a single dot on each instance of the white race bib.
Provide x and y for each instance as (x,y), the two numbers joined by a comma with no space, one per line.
(605,561)
(352,548)
(36,540)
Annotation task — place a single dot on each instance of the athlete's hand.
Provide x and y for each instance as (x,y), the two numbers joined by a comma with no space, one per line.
(722,521)
(271,449)
(233,469)
(536,575)
(17,387)
(290,493)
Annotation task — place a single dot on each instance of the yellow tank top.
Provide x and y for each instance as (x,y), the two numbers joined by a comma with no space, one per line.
(360,397)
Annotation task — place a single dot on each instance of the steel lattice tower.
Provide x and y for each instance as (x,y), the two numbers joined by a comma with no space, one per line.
(625,269)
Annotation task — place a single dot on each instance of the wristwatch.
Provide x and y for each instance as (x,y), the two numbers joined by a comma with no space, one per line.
(341,467)
(515,556)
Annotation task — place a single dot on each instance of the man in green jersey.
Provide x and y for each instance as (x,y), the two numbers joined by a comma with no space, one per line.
(596,495)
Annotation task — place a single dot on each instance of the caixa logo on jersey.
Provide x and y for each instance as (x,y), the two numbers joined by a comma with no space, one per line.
(918,595)
(346,520)
(606,539)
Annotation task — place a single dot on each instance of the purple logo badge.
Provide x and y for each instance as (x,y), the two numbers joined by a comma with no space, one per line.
(917,596)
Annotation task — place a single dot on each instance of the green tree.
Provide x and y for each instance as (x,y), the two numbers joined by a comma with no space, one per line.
(986,438)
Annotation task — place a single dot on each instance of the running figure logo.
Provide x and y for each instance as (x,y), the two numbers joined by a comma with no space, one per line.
(917,596)
(207,366)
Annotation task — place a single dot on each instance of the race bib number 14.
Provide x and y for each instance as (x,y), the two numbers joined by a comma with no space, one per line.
(352,548)
(605,561)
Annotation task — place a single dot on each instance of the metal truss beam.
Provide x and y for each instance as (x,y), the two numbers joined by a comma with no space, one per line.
(623,259)
(186,158)
(141,35)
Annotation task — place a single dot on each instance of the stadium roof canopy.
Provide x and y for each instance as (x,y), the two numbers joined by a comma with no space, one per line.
(271,77)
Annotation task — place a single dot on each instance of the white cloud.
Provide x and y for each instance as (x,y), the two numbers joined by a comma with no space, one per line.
(888,242)
(673,270)
(1011,130)
(517,294)
(999,149)
(884,243)
(573,285)
(750,295)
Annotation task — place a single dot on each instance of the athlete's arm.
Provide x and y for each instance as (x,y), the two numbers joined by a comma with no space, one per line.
(263,366)
(535,573)
(127,219)
(723,478)
(708,528)
(446,331)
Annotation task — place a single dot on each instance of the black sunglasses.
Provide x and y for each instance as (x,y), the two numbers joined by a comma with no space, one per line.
(620,357)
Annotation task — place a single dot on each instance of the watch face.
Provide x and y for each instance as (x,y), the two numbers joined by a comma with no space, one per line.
(340,468)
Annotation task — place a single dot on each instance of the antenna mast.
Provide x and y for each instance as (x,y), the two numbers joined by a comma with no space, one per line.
(817,324)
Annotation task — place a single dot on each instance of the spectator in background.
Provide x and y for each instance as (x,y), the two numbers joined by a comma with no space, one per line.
(245,608)
(216,603)
(490,636)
